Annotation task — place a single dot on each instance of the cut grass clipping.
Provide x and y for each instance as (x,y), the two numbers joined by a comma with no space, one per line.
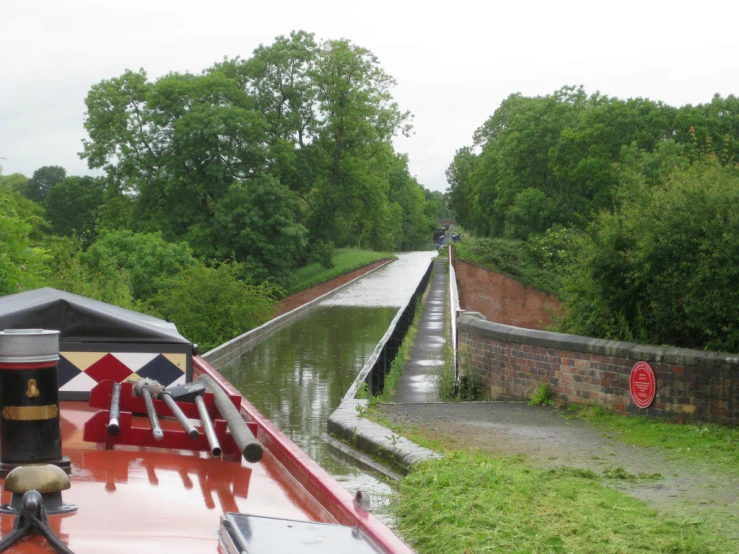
(470,503)
(711,444)
(344,259)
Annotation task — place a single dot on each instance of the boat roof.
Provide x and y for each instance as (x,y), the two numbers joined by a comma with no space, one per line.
(81,319)
(149,500)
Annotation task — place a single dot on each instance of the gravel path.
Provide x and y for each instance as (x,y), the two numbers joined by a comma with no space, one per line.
(686,490)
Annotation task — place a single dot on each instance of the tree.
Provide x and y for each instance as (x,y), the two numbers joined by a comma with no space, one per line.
(663,267)
(21,262)
(357,119)
(42,180)
(148,258)
(211,305)
(256,223)
(17,182)
(460,187)
(179,143)
(72,207)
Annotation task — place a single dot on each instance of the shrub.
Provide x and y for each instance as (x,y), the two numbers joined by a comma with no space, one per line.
(211,305)
(664,267)
(148,258)
(322,252)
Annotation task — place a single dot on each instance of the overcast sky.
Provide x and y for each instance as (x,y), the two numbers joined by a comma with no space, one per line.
(454,61)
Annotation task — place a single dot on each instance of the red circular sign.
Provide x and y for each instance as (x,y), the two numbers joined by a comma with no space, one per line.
(643,384)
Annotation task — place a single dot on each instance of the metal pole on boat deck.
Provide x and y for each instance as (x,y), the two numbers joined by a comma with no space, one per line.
(181,417)
(215,446)
(144,388)
(115,410)
(193,392)
(247,443)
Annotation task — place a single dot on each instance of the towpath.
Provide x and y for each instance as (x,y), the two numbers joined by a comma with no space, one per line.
(418,383)
(686,489)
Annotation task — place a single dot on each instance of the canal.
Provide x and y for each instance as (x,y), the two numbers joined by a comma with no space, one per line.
(298,376)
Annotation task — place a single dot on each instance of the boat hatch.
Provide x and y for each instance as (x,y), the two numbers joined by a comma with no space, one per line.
(243,533)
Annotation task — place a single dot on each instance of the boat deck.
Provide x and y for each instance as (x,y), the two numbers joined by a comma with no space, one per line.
(149,500)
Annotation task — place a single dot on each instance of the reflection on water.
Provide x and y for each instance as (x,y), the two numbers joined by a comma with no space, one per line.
(391,285)
(298,376)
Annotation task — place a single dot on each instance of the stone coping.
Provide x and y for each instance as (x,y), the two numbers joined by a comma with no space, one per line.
(475,322)
(347,424)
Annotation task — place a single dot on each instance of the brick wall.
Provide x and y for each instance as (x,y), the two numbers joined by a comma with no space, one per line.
(504,299)
(513,362)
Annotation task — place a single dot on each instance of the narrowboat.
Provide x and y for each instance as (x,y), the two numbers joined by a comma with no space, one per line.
(117,437)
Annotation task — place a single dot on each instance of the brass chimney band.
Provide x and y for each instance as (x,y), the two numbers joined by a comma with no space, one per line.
(30,413)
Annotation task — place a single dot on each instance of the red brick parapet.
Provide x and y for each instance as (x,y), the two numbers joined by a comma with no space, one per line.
(504,299)
(513,362)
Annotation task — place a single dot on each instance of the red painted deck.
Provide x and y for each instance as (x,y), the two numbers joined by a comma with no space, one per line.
(147,500)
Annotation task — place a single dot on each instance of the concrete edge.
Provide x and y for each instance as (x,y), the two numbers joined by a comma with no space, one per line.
(475,323)
(360,458)
(346,424)
(232,349)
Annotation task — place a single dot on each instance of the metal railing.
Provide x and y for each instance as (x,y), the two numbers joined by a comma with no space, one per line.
(453,309)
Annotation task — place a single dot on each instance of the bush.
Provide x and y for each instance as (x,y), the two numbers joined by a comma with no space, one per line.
(106,283)
(664,267)
(536,263)
(211,305)
(322,252)
(148,258)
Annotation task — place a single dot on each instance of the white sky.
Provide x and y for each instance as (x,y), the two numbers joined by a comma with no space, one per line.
(454,61)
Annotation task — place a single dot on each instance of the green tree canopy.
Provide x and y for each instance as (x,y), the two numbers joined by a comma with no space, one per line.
(42,180)
(212,305)
(663,267)
(16,182)
(147,257)
(21,261)
(551,161)
(72,207)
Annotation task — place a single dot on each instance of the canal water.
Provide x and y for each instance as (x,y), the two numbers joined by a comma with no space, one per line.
(299,375)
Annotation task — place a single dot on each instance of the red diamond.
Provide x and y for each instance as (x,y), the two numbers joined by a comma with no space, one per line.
(108,367)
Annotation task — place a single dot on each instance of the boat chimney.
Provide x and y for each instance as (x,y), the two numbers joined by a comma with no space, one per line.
(30,431)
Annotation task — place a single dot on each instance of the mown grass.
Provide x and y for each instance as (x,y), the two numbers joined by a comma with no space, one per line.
(344,259)
(703,443)
(471,502)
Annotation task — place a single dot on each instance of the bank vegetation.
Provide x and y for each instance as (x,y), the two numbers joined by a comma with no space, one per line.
(216,187)
(625,209)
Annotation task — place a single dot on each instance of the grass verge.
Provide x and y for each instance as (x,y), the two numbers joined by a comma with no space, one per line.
(472,502)
(513,258)
(344,259)
(469,502)
(703,443)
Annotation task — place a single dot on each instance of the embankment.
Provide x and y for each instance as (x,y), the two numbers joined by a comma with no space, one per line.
(301,298)
(504,299)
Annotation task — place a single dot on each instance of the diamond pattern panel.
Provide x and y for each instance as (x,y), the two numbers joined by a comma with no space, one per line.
(160,369)
(66,371)
(83,382)
(81,371)
(108,367)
